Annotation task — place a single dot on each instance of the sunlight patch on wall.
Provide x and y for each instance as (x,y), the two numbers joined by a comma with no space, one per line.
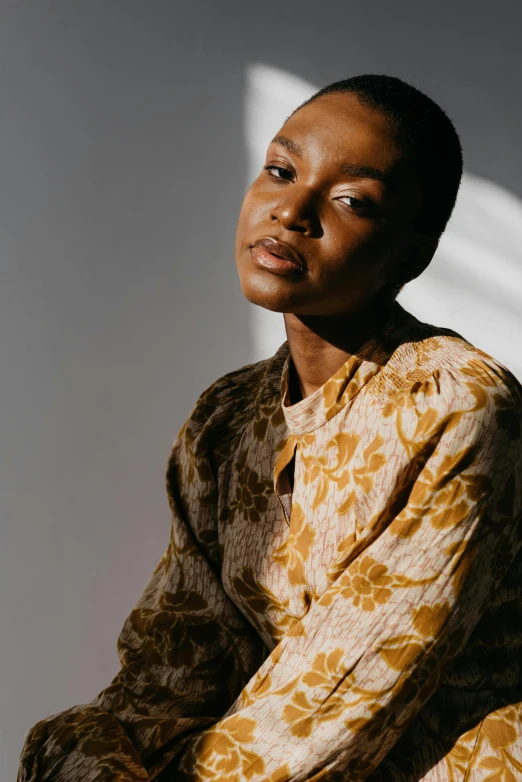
(473,284)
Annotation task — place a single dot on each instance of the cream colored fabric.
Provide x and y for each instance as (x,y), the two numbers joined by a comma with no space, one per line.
(364,625)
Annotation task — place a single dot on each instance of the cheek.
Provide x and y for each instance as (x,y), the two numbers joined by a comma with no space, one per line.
(359,257)
(247,219)
(345,252)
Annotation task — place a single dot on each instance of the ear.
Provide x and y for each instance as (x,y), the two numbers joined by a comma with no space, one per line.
(422,249)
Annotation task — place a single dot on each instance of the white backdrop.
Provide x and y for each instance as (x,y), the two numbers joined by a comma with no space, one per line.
(473,284)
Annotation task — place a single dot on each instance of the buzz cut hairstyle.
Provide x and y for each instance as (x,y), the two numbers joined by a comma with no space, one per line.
(427,133)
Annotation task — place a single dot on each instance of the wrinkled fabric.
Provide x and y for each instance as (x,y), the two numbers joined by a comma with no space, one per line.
(361,622)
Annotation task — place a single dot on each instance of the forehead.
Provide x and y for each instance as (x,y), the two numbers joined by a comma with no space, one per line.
(338,128)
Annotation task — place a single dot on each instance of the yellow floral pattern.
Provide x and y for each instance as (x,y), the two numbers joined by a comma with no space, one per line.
(369,585)
(221,753)
(295,550)
(340,595)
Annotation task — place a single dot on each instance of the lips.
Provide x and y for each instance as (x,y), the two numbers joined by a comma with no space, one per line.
(281,250)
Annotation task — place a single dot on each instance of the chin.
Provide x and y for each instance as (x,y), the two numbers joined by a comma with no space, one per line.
(268,291)
(269,301)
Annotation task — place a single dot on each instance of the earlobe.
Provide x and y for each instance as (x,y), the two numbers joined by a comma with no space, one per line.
(419,258)
(428,246)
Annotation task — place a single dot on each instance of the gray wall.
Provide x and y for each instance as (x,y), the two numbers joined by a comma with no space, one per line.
(122,170)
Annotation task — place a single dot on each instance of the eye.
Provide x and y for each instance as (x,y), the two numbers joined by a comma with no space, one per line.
(278,172)
(358,205)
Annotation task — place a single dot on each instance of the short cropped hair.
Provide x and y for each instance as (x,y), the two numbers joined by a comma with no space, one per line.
(426,131)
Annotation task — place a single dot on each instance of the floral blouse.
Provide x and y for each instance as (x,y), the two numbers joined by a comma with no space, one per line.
(361,622)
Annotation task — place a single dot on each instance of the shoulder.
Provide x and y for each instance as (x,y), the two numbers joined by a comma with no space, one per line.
(432,366)
(224,408)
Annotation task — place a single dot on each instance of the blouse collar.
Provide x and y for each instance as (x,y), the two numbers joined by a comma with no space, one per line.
(325,402)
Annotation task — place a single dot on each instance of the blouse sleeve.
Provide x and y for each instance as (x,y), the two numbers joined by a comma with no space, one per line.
(342,686)
(185,650)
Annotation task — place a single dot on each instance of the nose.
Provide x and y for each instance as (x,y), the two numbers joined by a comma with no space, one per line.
(295,210)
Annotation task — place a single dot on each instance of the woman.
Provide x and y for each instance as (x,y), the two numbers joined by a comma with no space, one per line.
(340,597)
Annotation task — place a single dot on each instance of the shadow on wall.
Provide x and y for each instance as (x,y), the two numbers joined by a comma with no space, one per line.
(474,283)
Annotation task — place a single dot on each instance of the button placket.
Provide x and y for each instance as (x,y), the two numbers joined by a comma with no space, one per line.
(282,487)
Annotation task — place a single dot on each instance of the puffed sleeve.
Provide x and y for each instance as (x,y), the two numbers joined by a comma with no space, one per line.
(185,650)
(338,691)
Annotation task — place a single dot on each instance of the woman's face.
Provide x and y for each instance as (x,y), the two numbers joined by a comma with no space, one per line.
(338,196)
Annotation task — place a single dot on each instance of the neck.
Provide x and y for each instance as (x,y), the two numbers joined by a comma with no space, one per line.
(319,346)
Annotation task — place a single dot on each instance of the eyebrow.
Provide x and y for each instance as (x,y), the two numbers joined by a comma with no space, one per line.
(351,169)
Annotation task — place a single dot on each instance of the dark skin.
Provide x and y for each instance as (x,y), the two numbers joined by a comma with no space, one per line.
(342,190)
